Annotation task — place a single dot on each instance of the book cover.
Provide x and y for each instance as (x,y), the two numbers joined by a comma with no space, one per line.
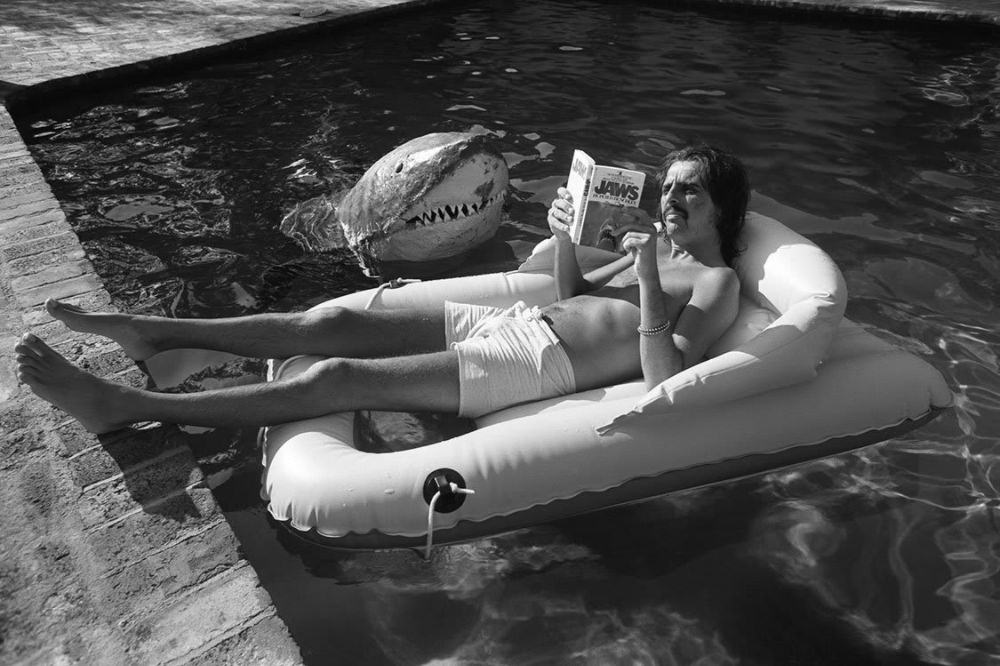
(598,191)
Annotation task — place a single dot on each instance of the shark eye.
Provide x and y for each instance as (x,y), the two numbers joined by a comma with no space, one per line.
(399,167)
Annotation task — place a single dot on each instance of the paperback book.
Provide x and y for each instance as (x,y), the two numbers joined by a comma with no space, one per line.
(598,192)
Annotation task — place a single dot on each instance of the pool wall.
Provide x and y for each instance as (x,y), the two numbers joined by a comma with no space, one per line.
(114,549)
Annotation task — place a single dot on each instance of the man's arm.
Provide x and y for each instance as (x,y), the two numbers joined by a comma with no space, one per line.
(602,275)
(659,357)
(570,280)
(712,309)
(665,347)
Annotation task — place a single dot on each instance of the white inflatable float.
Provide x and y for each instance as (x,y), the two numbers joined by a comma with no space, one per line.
(791,381)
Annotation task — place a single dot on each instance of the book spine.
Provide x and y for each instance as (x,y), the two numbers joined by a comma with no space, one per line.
(581,212)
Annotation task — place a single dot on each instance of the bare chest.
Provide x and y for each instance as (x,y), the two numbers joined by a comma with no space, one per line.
(676,282)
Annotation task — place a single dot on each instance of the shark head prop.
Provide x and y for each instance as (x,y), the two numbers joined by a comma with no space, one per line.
(417,210)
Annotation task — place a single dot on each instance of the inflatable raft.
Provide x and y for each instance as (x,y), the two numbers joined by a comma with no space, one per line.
(791,381)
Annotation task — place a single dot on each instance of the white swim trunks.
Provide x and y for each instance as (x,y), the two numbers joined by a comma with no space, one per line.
(505,356)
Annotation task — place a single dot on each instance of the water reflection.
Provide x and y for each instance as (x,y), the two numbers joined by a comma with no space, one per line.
(931,527)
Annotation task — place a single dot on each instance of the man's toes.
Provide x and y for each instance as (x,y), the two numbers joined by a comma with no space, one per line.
(26,375)
(27,360)
(34,344)
(55,306)
(24,349)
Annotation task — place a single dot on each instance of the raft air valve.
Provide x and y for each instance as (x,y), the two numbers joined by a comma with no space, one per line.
(444,492)
(451,487)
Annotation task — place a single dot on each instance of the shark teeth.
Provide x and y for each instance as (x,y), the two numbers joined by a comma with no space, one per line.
(450,213)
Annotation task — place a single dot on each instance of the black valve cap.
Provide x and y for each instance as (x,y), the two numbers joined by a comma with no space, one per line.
(441,480)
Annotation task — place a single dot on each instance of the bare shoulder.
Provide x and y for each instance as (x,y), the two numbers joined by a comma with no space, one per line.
(719,281)
(712,309)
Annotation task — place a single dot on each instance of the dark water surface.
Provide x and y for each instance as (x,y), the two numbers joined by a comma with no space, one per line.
(881,145)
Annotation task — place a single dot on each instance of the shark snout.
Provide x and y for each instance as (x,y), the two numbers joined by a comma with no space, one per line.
(436,196)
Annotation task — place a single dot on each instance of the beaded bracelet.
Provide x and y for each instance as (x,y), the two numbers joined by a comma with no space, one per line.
(656,330)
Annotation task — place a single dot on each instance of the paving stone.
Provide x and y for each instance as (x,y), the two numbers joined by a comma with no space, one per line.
(18,413)
(27,173)
(151,582)
(212,613)
(53,274)
(30,231)
(28,587)
(41,246)
(92,466)
(29,208)
(74,286)
(19,160)
(72,438)
(47,606)
(26,265)
(9,386)
(125,454)
(11,151)
(136,536)
(142,489)
(37,487)
(266,642)
(21,442)
(9,228)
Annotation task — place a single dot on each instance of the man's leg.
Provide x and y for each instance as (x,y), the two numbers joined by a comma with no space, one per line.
(330,331)
(415,383)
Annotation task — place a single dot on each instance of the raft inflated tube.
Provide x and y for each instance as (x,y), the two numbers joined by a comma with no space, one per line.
(791,381)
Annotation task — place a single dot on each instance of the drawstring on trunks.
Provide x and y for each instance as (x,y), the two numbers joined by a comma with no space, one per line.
(394,283)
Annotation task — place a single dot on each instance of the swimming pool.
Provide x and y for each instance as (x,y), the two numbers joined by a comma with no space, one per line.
(879,144)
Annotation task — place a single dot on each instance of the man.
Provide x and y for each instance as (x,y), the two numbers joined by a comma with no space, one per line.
(652,311)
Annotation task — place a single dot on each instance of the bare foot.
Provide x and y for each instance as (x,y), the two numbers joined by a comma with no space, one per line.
(89,399)
(119,327)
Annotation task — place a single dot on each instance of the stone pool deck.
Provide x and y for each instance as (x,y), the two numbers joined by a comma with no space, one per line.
(113,549)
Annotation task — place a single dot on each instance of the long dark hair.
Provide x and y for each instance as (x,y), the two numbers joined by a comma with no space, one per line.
(727,182)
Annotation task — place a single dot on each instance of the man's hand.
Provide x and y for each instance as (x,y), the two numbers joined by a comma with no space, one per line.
(561,214)
(638,237)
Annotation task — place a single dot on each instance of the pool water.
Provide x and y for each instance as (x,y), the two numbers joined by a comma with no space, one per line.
(880,144)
